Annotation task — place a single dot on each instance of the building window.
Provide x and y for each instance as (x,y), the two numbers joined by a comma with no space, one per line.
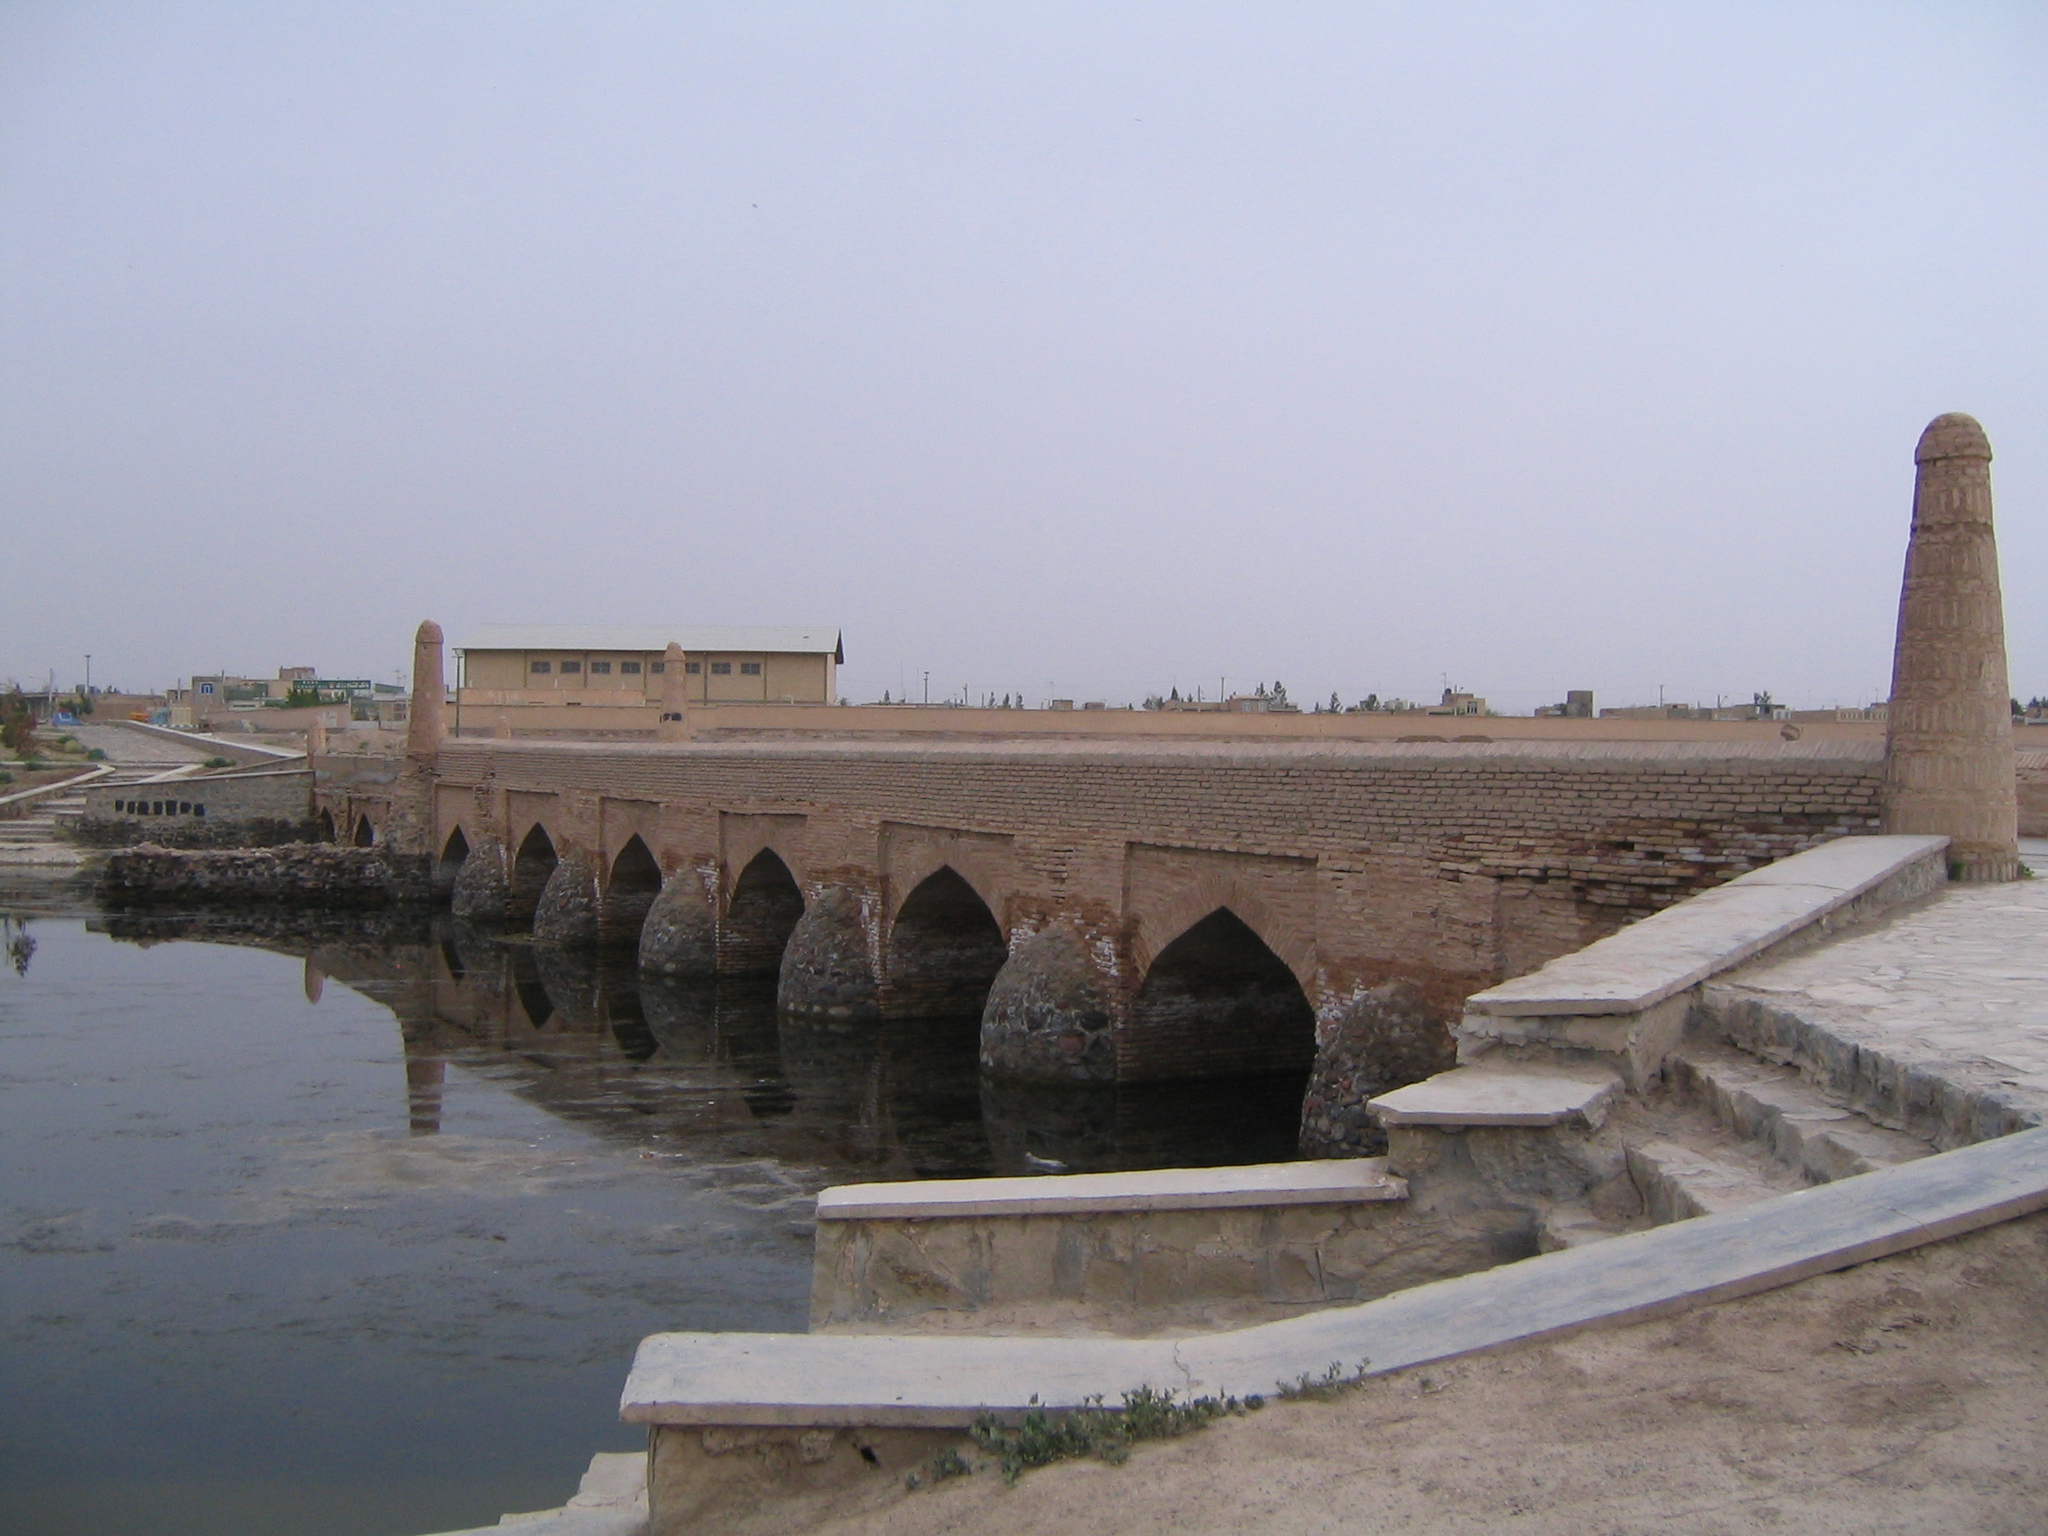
(571,666)
(631,668)
(721,669)
(206,687)
(599,667)
(656,667)
(750,669)
(198,810)
(692,668)
(184,807)
(541,668)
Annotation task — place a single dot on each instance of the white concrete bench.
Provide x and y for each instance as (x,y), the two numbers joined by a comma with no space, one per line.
(1152,1249)
(1333,1182)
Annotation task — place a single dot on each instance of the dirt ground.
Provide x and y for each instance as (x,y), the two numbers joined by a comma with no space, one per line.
(1906,1395)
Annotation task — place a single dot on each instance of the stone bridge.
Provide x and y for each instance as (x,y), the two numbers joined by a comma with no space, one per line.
(1141,913)
(1157,910)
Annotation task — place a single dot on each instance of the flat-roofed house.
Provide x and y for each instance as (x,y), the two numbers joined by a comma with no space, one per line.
(621,664)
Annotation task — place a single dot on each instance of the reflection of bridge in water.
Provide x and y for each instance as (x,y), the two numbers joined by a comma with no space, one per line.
(711,1070)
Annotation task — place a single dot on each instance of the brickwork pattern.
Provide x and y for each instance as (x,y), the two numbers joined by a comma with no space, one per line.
(1451,866)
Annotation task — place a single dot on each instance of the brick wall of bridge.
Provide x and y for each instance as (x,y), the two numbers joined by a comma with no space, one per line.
(1448,866)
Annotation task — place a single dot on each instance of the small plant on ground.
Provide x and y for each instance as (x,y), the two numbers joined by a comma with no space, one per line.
(1041,1437)
(218,762)
(6,777)
(949,1463)
(96,755)
(1333,1383)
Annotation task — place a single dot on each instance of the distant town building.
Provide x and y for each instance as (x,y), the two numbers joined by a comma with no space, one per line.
(1577,705)
(1458,703)
(621,664)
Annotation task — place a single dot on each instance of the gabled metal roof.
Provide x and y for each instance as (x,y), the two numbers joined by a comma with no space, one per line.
(696,639)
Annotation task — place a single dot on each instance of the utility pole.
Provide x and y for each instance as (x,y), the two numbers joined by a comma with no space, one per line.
(88,674)
(927,687)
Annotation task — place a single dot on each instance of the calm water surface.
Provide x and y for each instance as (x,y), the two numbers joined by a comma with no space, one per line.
(344,1229)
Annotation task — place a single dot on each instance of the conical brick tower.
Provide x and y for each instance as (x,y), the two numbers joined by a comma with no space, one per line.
(1948,748)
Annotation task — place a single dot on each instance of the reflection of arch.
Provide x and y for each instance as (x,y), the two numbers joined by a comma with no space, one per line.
(366,835)
(526,985)
(453,852)
(759,916)
(327,826)
(535,861)
(1217,1002)
(945,948)
(634,882)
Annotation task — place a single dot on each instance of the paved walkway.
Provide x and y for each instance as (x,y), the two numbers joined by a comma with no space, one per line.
(1956,985)
(137,747)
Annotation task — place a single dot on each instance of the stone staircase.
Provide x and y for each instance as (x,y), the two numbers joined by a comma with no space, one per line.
(1725,1129)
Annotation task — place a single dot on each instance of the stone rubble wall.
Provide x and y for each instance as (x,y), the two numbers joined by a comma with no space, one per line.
(301,874)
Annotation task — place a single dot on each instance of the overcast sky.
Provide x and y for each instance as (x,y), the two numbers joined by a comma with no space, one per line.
(1090,349)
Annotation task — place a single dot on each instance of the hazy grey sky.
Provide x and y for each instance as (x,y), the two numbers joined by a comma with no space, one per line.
(1093,347)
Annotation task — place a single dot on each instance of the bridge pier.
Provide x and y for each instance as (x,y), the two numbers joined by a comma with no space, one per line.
(1386,1039)
(479,891)
(828,971)
(679,935)
(566,914)
(1048,1017)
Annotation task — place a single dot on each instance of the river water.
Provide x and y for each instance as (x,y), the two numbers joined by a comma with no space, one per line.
(349,1227)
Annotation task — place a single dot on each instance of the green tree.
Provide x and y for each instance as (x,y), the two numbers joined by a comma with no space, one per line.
(17,724)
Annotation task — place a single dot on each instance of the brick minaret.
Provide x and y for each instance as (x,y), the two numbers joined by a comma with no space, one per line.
(675,710)
(1948,749)
(423,723)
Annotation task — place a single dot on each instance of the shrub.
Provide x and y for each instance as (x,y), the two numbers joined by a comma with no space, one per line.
(96,755)
(6,777)
(1042,1438)
(218,762)
(17,724)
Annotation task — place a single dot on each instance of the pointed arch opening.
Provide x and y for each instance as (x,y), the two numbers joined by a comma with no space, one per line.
(366,834)
(630,889)
(944,950)
(762,913)
(449,865)
(1217,1002)
(535,861)
(327,826)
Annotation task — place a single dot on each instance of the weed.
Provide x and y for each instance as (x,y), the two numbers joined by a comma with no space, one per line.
(947,1464)
(1041,1437)
(1333,1383)
(217,762)
(96,755)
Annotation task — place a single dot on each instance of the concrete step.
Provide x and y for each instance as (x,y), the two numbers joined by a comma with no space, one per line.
(611,1501)
(1679,1182)
(1775,1107)
(690,1381)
